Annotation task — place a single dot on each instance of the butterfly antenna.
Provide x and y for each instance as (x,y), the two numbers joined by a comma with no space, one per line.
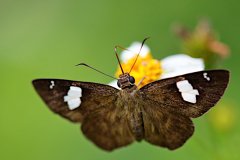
(138,53)
(84,64)
(115,49)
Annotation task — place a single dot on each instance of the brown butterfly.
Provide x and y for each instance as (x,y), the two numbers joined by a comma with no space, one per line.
(159,112)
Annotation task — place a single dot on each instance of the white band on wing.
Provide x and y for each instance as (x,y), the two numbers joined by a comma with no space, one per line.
(187,91)
(73,97)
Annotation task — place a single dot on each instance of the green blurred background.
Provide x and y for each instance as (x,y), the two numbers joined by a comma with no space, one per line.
(43,39)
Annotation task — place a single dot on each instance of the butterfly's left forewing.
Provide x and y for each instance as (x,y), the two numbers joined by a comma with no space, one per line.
(190,95)
(169,104)
(72,99)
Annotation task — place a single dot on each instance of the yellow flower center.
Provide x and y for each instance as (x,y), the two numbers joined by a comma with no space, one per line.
(145,67)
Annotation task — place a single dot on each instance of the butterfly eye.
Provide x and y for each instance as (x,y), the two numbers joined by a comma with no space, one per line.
(118,84)
(131,80)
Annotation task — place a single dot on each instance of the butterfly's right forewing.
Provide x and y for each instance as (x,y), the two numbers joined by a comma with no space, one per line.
(93,96)
(103,120)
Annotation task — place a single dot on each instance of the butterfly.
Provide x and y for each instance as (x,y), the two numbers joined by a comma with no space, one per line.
(159,112)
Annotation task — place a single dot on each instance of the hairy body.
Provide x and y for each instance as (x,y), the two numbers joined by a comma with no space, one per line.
(131,101)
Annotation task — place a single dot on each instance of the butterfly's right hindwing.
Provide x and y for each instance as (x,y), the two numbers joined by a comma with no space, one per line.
(108,127)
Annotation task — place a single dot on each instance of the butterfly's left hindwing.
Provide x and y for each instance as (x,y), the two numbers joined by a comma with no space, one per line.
(169,104)
(164,128)
(190,95)
(91,96)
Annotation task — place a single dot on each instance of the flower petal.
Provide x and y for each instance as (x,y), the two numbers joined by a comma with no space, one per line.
(114,84)
(180,64)
(133,51)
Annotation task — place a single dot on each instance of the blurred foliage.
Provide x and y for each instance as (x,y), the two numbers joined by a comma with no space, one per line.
(202,43)
(47,38)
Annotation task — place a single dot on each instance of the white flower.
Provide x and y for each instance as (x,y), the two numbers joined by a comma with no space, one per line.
(114,84)
(133,50)
(180,64)
(170,66)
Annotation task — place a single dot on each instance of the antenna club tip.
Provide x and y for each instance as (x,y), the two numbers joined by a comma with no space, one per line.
(146,38)
(80,64)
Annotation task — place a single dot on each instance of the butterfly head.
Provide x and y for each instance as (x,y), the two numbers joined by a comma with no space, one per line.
(126,81)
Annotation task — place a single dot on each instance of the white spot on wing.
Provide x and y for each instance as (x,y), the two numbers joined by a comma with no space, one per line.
(187,91)
(73,97)
(52,84)
(206,76)
(74,103)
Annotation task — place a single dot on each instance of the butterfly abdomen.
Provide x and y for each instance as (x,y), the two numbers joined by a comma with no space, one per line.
(136,125)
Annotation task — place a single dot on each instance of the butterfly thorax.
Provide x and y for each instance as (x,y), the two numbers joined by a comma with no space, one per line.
(129,99)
